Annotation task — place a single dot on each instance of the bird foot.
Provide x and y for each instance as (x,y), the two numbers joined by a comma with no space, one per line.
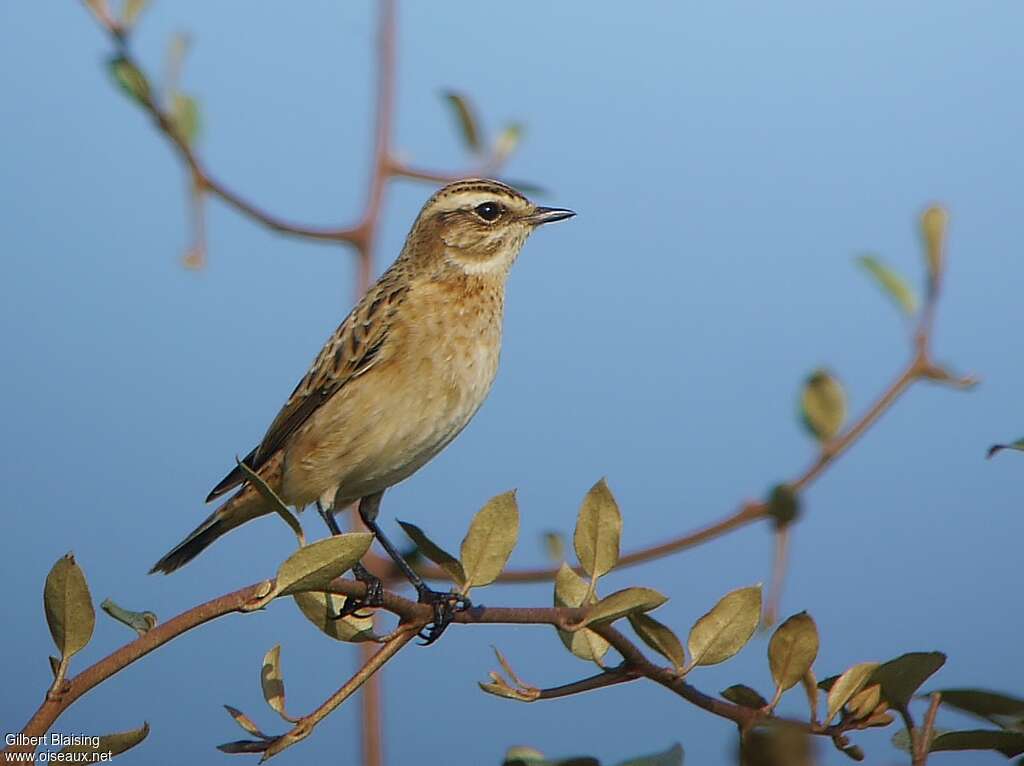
(445,607)
(374,596)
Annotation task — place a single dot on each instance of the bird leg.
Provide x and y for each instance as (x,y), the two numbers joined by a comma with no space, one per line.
(374,595)
(445,605)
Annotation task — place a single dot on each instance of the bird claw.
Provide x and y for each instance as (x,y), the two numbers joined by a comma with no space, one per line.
(445,606)
(374,596)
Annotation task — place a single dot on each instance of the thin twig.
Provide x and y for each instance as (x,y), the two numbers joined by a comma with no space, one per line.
(305,725)
(924,741)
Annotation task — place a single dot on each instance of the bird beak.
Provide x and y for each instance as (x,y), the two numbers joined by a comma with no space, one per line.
(544,215)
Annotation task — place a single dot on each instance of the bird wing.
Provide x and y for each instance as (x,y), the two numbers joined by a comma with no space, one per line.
(352,350)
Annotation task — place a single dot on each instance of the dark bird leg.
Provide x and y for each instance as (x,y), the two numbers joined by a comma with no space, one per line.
(444,604)
(374,587)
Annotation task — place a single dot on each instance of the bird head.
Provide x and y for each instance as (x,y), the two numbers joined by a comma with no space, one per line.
(477,226)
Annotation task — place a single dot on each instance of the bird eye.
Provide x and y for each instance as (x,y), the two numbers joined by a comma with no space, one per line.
(489,211)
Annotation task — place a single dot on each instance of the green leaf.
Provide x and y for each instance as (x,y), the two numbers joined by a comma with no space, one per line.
(864,702)
(130,79)
(659,637)
(273,500)
(622,603)
(933,234)
(847,685)
(598,531)
(322,609)
(244,746)
(68,605)
(501,689)
(783,505)
(313,566)
(823,405)
(435,553)
(507,142)
(571,591)
(185,117)
(112,744)
(792,650)
(1003,710)
(245,722)
(465,118)
(524,756)
(140,622)
(902,677)
(996,448)
(671,757)
(272,682)
(1009,743)
(489,542)
(723,631)
(741,694)
(892,284)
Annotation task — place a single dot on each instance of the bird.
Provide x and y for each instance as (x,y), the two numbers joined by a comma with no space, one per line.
(398,380)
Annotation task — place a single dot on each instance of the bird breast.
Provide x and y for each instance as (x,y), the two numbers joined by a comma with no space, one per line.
(433,374)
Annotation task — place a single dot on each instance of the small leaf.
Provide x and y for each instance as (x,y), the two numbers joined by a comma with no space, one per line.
(622,603)
(524,756)
(823,405)
(745,696)
(273,683)
(507,142)
(792,650)
(659,637)
(271,497)
(140,622)
(465,118)
(723,631)
(933,234)
(131,11)
(783,505)
(109,745)
(322,610)
(54,665)
(313,566)
(502,689)
(996,448)
(130,78)
(1009,743)
(244,746)
(571,591)
(435,553)
(185,117)
(891,283)
(900,678)
(554,546)
(245,722)
(671,757)
(598,531)
(847,685)
(68,605)
(492,535)
(864,702)
(1003,710)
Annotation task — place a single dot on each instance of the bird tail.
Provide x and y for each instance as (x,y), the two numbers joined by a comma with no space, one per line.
(243,506)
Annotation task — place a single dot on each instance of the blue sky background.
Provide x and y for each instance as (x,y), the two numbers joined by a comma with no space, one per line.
(727,161)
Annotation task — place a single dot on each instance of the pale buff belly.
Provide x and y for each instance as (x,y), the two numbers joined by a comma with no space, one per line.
(389,422)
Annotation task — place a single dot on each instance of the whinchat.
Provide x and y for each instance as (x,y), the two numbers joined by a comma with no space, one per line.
(401,376)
